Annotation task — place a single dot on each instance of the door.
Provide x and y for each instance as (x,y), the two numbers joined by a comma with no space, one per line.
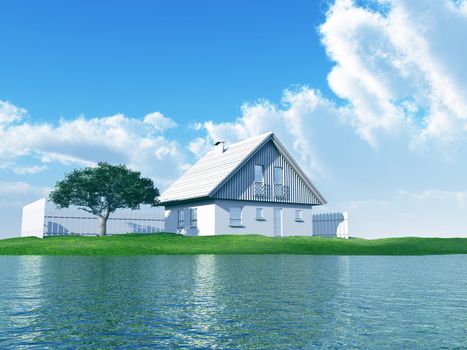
(278,222)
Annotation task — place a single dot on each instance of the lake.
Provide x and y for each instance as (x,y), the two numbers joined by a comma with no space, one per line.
(239,301)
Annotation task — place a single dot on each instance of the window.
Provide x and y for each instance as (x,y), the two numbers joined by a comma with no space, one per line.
(259,214)
(261,189)
(298,215)
(259,173)
(278,175)
(281,192)
(181,218)
(193,217)
(236,216)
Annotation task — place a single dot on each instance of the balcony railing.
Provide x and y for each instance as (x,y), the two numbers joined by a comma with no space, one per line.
(262,190)
(281,192)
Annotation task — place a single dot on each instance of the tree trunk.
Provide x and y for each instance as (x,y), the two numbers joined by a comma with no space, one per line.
(102,223)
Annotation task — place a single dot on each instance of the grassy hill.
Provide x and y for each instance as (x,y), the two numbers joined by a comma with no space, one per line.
(167,244)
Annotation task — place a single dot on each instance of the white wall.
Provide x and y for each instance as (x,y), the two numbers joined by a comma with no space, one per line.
(214,218)
(206,219)
(32,223)
(250,225)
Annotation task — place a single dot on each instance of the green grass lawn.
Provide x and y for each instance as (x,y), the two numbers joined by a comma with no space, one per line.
(155,244)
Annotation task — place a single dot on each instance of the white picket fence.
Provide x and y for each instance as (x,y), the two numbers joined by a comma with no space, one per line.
(331,225)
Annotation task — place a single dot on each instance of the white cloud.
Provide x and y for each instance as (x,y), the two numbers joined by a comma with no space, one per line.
(84,142)
(8,166)
(400,64)
(199,146)
(159,122)
(32,169)
(295,122)
(400,72)
(454,197)
(65,159)
(429,213)
(10,113)
(17,193)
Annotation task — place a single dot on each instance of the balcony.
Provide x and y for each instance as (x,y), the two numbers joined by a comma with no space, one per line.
(281,192)
(261,190)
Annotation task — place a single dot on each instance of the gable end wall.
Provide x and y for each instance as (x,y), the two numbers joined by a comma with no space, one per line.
(241,185)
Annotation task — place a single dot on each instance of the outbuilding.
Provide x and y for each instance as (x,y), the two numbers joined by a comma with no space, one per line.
(42,218)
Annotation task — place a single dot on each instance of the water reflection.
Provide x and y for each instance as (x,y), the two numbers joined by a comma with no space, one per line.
(202,305)
(275,301)
(22,291)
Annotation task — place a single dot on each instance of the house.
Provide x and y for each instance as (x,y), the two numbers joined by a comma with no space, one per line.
(253,186)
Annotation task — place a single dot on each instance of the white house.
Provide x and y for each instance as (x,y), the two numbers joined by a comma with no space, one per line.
(253,186)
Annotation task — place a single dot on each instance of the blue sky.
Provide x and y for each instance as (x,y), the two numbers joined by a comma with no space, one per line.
(190,60)
(369,96)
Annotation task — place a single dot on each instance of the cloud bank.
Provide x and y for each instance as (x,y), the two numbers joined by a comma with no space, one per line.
(139,143)
(400,63)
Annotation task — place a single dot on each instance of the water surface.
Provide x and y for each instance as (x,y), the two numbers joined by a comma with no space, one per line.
(241,301)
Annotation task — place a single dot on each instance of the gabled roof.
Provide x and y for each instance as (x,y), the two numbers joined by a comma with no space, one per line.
(208,174)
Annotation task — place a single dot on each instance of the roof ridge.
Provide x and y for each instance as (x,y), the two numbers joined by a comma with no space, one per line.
(264,135)
(260,136)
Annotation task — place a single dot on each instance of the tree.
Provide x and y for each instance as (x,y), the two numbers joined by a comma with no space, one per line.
(103,189)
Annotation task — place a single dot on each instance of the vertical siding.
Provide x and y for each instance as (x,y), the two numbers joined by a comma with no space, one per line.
(241,185)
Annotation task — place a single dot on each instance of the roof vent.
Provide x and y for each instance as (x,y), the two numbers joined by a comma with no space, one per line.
(219,146)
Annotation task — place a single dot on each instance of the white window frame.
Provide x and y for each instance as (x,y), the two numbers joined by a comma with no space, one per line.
(262,173)
(181,218)
(299,215)
(260,217)
(235,221)
(193,217)
(282,175)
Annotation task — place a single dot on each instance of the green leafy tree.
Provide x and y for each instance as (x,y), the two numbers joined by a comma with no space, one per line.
(103,189)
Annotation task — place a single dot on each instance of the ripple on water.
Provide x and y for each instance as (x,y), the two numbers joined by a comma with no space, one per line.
(268,301)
